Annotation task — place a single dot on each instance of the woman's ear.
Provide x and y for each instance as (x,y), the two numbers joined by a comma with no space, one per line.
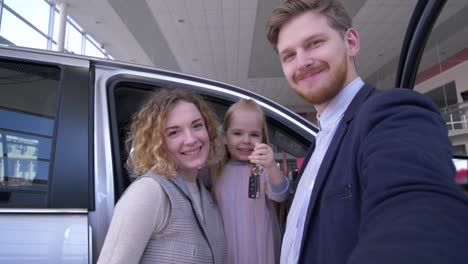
(223,138)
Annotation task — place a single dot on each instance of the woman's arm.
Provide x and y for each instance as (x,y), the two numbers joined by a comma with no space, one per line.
(142,210)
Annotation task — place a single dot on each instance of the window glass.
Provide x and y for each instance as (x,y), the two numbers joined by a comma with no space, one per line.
(19,33)
(73,39)
(382,27)
(27,114)
(92,50)
(445,95)
(288,146)
(461,176)
(34,11)
(443,71)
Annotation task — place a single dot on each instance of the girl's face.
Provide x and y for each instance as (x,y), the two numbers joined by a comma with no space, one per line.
(186,138)
(245,129)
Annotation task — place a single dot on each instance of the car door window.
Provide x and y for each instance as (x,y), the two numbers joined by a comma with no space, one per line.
(442,76)
(28,105)
(443,70)
(382,27)
(288,145)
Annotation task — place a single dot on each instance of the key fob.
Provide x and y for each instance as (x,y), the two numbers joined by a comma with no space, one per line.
(254,186)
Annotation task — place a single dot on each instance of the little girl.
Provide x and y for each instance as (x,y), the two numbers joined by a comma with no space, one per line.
(251,225)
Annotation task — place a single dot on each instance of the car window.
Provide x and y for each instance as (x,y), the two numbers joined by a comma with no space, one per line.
(442,76)
(443,70)
(288,145)
(28,105)
(382,26)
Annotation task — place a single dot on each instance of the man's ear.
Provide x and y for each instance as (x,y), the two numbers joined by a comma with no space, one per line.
(352,41)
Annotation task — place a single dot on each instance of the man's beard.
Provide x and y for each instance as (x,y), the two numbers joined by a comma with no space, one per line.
(328,91)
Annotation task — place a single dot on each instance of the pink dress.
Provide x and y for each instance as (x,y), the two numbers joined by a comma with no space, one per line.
(251,225)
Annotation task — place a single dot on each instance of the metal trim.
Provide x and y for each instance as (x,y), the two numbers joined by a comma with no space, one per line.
(1,12)
(418,42)
(42,211)
(413,23)
(122,73)
(39,56)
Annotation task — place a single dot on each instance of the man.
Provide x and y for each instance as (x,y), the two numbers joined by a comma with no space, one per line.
(378,187)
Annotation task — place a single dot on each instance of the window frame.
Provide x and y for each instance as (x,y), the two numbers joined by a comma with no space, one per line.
(114,82)
(70,172)
(418,31)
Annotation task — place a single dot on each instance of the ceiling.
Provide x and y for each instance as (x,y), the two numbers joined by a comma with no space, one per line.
(225,40)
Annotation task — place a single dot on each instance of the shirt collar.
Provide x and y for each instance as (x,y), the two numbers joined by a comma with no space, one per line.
(338,105)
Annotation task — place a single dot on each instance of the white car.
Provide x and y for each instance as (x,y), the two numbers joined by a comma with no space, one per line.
(63,120)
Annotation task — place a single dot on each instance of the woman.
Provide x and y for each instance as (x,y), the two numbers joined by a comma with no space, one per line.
(166,215)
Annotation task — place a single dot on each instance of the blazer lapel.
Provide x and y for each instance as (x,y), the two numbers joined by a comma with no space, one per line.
(208,208)
(332,151)
(180,183)
(203,217)
(325,167)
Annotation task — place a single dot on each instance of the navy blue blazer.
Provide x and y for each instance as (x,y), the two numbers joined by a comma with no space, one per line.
(385,191)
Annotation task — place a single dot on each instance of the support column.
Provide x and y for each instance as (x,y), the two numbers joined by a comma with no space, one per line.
(62,26)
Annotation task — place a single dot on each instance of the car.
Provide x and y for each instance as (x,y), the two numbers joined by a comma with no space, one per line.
(64,119)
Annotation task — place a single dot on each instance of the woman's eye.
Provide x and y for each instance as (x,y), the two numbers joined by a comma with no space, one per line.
(172,133)
(198,125)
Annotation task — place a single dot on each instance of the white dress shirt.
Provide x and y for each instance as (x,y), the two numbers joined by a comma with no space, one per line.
(328,123)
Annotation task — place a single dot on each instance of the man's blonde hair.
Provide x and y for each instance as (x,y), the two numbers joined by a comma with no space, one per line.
(337,16)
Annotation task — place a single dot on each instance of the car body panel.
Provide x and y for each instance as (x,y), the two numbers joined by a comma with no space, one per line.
(44,237)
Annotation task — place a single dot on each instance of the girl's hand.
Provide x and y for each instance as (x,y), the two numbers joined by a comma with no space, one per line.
(263,155)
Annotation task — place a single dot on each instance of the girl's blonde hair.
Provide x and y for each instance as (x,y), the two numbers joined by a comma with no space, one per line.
(242,104)
(145,143)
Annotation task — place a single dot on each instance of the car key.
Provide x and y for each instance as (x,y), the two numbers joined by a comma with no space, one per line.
(254,181)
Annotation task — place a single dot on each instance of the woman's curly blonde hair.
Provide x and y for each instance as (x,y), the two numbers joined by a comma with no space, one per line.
(145,143)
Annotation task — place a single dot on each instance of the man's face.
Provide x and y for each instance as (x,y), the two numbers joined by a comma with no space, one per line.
(316,58)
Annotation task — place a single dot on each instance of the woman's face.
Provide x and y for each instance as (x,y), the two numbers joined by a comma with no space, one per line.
(186,138)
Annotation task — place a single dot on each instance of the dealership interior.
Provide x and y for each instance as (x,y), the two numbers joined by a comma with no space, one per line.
(224,40)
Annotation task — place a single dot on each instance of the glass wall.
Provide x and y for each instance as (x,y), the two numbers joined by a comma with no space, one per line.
(442,74)
(35,24)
